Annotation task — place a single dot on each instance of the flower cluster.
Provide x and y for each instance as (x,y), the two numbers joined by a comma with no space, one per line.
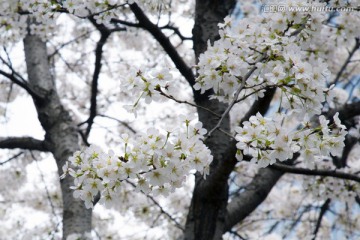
(150,87)
(13,20)
(277,55)
(157,162)
(267,141)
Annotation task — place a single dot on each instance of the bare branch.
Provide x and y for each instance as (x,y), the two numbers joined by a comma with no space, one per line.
(176,31)
(315,172)
(188,103)
(347,61)
(164,41)
(119,121)
(28,143)
(105,33)
(125,23)
(12,158)
(20,83)
(58,48)
(162,211)
(177,224)
(323,210)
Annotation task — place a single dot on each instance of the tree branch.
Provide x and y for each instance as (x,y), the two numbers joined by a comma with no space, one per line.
(256,192)
(164,41)
(61,46)
(176,31)
(125,23)
(315,172)
(28,143)
(20,83)
(347,61)
(188,103)
(323,210)
(125,124)
(105,33)
(12,158)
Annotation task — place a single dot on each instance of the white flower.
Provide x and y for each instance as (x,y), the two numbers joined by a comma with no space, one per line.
(276,74)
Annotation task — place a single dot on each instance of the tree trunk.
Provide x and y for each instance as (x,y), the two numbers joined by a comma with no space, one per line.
(207,213)
(61,133)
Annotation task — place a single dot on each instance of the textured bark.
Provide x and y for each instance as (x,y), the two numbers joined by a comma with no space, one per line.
(207,212)
(61,133)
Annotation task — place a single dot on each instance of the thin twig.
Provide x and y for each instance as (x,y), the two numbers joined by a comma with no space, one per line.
(12,158)
(177,224)
(20,83)
(105,33)
(316,172)
(68,43)
(188,103)
(323,210)
(119,121)
(347,61)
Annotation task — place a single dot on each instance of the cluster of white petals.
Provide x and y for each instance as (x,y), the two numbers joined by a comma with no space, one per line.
(254,54)
(13,15)
(157,163)
(265,52)
(153,86)
(267,141)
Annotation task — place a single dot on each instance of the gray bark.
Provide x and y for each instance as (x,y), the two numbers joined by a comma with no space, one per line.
(61,132)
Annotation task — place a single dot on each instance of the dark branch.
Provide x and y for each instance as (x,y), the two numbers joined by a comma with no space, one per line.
(176,31)
(28,143)
(255,193)
(20,83)
(315,172)
(347,61)
(58,48)
(119,121)
(125,23)
(105,33)
(12,158)
(164,41)
(323,210)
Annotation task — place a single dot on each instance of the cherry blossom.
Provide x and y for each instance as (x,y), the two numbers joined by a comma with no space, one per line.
(157,162)
(267,141)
